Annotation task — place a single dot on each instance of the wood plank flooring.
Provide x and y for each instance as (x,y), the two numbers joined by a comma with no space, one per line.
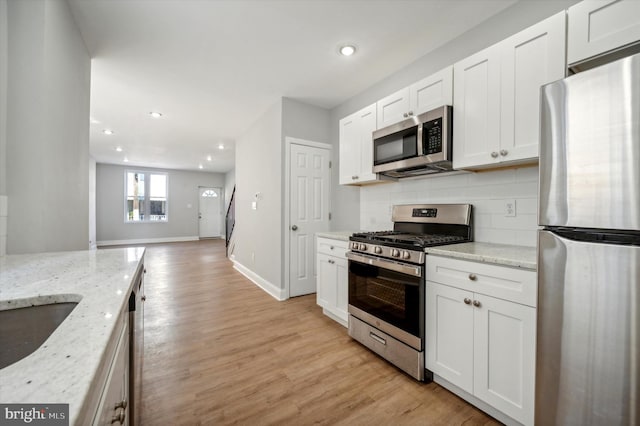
(219,350)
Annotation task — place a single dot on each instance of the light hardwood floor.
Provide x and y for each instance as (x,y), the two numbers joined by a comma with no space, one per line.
(219,350)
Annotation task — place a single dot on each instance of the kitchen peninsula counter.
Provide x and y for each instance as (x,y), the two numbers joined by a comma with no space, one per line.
(65,369)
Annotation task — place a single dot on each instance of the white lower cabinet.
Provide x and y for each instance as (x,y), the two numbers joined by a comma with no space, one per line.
(332,280)
(113,406)
(481,344)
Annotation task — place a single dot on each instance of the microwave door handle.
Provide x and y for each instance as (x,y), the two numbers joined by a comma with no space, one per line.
(419,140)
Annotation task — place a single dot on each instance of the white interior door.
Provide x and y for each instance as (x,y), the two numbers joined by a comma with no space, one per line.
(209,213)
(309,204)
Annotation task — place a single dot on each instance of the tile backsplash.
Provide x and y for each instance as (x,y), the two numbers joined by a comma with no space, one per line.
(488,192)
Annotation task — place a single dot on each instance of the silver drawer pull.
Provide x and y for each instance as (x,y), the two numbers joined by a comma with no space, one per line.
(476,303)
(330,247)
(378,339)
(467,301)
(118,418)
(473,277)
(122,404)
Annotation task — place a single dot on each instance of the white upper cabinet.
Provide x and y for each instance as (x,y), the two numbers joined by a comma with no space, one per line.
(599,26)
(497,96)
(356,147)
(422,96)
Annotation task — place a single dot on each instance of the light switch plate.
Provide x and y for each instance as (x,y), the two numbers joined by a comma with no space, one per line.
(509,208)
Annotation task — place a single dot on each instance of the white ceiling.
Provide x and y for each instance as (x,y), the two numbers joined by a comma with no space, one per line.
(211,67)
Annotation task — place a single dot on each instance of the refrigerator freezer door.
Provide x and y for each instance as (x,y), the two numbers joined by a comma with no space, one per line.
(590,149)
(588,338)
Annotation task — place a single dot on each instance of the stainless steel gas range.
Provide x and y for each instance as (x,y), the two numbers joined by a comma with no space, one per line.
(387,280)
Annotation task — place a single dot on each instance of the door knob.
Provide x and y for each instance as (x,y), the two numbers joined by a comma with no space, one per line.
(294,228)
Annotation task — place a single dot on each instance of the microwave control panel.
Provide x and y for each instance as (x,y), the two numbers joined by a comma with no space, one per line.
(432,136)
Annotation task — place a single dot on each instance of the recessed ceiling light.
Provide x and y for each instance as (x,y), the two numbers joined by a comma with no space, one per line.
(119,148)
(347,50)
(126,160)
(200,166)
(155,114)
(107,131)
(208,158)
(221,146)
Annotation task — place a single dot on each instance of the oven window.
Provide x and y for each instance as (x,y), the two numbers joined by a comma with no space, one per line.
(391,296)
(397,146)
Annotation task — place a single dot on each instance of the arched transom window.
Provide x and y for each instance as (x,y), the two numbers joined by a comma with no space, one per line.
(209,193)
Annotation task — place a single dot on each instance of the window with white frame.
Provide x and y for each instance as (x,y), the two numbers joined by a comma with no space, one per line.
(145,196)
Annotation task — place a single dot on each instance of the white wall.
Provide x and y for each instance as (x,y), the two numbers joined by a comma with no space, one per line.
(486,191)
(4,60)
(349,200)
(47,148)
(182,220)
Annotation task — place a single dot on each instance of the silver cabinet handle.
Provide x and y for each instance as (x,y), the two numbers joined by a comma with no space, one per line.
(405,115)
(473,277)
(143,298)
(410,112)
(354,177)
(467,301)
(378,339)
(122,404)
(476,303)
(503,152)
(294,228)
(332,261)
(330,247)
(494,154)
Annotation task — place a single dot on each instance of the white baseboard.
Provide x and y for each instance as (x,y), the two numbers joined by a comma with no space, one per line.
(275,292)
(146,241)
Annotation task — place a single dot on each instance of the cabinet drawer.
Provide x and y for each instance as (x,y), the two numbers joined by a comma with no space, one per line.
(516,285)
(331,247)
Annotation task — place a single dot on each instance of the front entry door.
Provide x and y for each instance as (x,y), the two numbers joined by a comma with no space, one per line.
(309,204)
(209,212)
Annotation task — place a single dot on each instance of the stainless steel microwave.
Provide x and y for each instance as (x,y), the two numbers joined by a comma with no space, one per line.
(416,146)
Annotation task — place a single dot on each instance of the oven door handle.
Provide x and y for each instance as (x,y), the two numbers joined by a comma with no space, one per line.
(415,271)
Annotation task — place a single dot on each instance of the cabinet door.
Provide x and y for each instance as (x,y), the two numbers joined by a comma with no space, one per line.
(432,92)
(342,288)
(367,124)
(504,363)
(597,26)
(449,334)
(476,109)
(116,390)
(393,108)
(326,281)
(530,59)
(349,148)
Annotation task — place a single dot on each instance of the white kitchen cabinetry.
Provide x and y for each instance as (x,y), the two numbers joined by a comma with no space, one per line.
(429,93)
(481,333)
(356,147)
(332,285)
(113,408)
(496,101)
(597,26)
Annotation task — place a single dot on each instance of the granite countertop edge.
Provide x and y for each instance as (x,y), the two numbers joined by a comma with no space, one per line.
(523,257)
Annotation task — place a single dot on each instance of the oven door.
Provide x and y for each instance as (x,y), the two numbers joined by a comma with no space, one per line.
(389,296)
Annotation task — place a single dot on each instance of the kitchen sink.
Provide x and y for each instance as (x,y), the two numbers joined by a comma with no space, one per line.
(23,330)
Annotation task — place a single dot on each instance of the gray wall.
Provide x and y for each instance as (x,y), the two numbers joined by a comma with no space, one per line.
(508,22)
(4,60)
(47,148)
(182,219)
(258,171)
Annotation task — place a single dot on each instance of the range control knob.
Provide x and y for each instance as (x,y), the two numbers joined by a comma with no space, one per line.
(395,253)
(354,246)
(406,255)
(377,250)
(362,247)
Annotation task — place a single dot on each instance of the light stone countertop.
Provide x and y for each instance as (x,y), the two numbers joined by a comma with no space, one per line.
(499,254)
(336,235)
(64,368)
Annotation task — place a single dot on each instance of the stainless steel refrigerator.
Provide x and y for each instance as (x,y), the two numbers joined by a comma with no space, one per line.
(588,338)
